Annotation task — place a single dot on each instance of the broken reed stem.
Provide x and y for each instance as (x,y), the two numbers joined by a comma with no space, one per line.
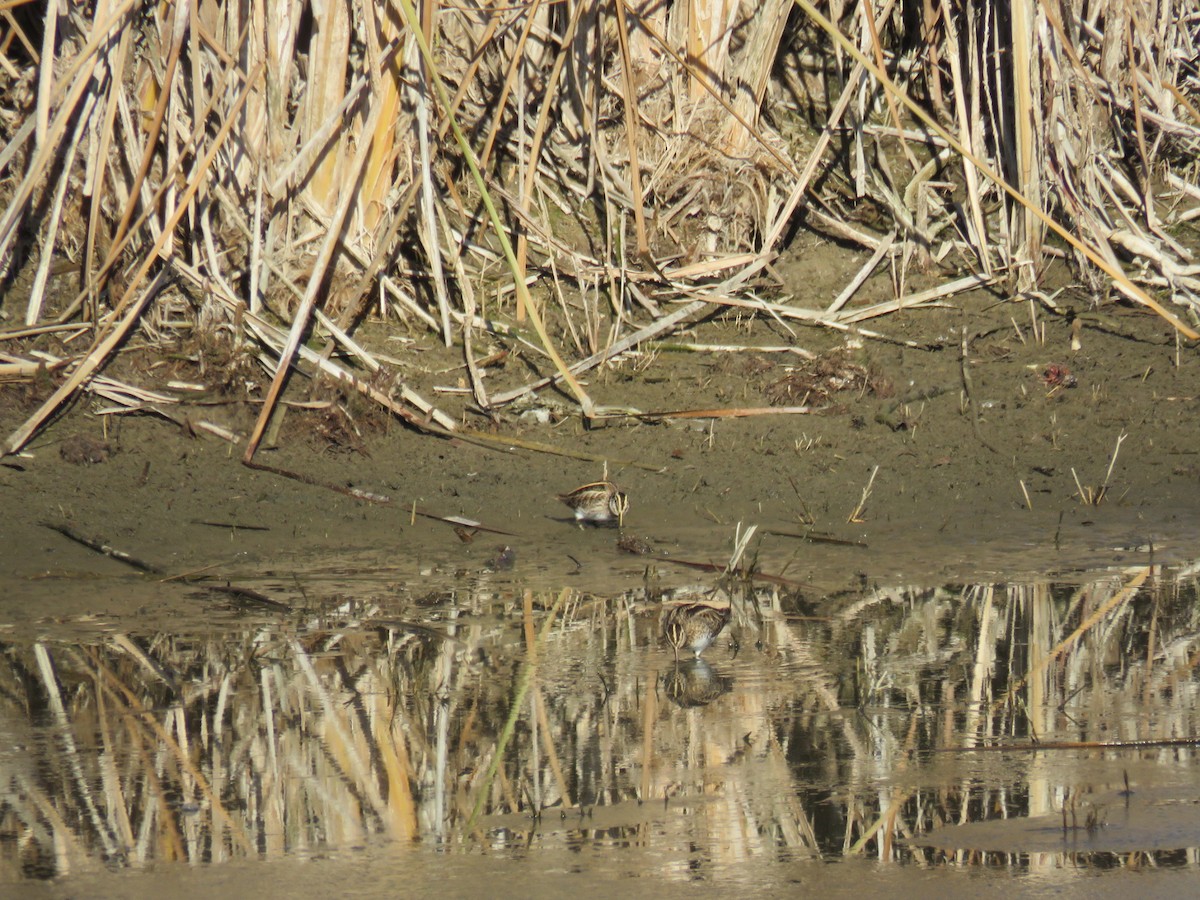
(1095,496)
(741,540)
(1085,494)
(856,516)
(62,720)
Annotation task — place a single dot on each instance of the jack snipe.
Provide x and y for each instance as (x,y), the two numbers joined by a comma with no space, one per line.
(599,501)
(693,625)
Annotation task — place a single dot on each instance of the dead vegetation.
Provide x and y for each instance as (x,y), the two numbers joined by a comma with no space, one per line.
(817,382)
(256,181)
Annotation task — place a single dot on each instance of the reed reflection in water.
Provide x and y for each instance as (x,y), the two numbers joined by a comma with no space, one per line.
(848,725)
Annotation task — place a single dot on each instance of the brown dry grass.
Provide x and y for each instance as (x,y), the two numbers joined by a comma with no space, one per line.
(278,173)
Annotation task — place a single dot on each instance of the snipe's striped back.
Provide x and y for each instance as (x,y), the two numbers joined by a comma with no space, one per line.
(694,626)
(600,501)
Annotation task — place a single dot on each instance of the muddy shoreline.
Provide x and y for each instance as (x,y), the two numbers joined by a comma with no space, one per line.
(960,489)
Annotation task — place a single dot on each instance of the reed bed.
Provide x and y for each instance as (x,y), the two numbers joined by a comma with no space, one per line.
(258,179)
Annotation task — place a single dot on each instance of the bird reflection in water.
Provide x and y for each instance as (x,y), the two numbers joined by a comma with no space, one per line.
(693,682)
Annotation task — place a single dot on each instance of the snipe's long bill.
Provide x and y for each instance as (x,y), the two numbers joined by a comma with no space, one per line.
(694,626)
(600,502)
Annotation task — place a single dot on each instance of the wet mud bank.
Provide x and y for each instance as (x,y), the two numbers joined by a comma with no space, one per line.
(901,468)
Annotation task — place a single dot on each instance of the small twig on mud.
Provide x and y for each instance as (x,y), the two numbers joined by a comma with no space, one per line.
(886,415)
(100,547)
(805,518)
(969,406)
(733,413)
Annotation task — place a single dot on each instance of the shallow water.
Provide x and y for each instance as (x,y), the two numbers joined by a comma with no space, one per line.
(480,732)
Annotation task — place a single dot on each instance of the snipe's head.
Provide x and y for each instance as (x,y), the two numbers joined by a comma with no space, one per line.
(618,506)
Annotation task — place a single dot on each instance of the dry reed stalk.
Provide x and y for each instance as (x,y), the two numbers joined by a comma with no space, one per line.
(856,516)
(150,148)
(1120,279)
(98,355)
(499,230)
(117,802)
(151,199)
(919,300)
(50,136)
(813,316)
(687,347)
(131,304)
(780,223)
(382,33)
(547,737)
(650,331)
(533,98)
(70,749)
(1089,496)
(631,105)
(863,274)
(970,129)
(275,340)
(391,747)
(330,52)
(649,717)
(269,337)
(101,144)
(34,306)
(341,738)
(1025,130)
(316,281)
(539,135)
(429,230)
(134,705)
